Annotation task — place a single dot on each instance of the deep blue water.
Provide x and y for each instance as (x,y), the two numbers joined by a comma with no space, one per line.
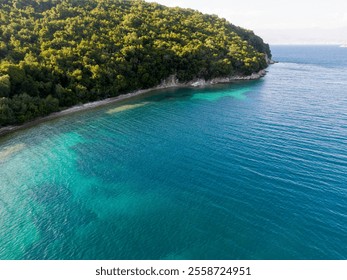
(252,170)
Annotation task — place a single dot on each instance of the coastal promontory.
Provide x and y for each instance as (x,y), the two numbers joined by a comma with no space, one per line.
(55,54)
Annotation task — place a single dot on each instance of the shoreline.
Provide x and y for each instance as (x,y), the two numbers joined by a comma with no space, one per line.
(170,82)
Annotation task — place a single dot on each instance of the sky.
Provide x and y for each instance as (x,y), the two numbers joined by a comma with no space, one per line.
(280,21)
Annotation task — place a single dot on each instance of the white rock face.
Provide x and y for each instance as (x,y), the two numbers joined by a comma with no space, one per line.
(172,81)
(198,83)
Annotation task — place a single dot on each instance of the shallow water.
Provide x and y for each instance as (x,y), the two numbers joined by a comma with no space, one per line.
(251,170)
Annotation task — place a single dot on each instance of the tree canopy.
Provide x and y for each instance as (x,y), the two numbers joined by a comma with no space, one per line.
(58,53)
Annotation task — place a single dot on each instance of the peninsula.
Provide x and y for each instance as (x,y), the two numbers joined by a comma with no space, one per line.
(56,54)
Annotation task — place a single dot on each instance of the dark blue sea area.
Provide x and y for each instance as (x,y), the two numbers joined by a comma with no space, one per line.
(248,170)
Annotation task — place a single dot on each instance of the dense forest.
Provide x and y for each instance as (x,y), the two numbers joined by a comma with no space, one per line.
(58,53)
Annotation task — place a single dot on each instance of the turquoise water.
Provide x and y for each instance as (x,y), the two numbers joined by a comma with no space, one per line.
(252,170)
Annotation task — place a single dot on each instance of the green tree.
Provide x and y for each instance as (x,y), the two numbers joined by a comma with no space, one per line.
(5,86)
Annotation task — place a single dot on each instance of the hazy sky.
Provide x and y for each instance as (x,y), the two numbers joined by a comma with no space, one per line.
(280,21)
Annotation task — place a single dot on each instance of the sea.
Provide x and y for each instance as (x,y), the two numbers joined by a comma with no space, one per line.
(251,170)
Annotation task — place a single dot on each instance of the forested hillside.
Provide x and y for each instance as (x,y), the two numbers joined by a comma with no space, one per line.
(58,53)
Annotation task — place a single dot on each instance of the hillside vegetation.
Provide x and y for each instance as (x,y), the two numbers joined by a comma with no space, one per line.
(58,53)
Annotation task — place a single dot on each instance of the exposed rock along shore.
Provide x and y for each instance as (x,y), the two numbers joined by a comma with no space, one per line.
(173,82)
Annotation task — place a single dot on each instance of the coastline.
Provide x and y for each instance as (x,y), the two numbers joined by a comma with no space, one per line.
(170,82)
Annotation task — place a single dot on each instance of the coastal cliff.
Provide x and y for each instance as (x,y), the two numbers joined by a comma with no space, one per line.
(172,81)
